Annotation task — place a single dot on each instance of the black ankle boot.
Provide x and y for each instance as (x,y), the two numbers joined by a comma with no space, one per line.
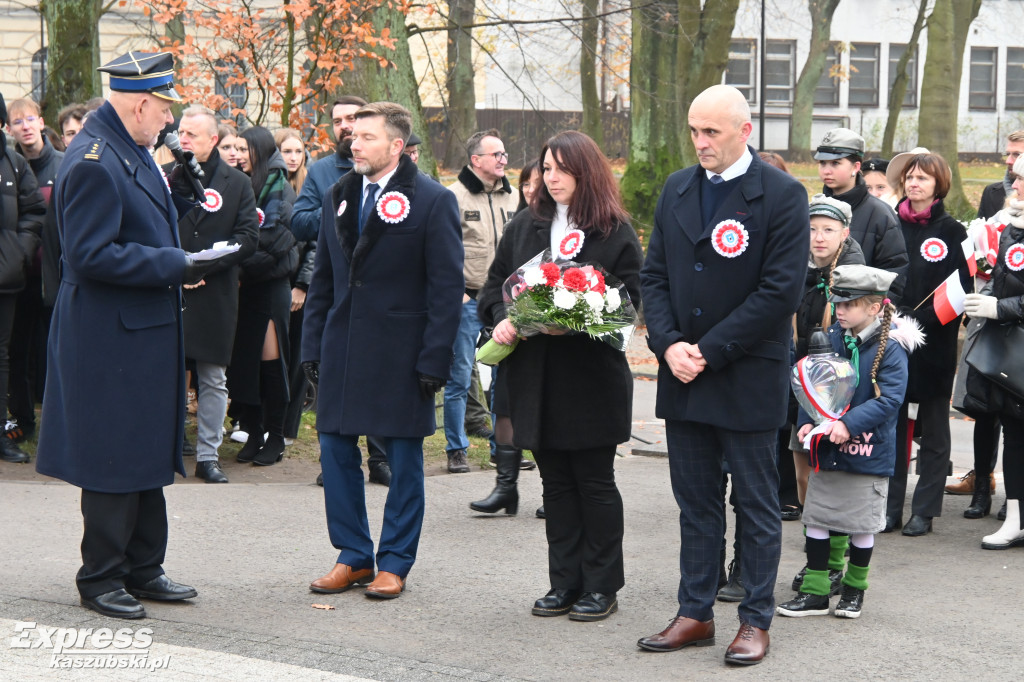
(981,503)
(271,453)
(505,494)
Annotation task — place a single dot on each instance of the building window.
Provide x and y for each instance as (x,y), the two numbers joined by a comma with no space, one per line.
(1015,78)
(780,71)
(983,78)
(864,74)
(225,85)
(39,75)
(827,92)
(741,71)
(895,54)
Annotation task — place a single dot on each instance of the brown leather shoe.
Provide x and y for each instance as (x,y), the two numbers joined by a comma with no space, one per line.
(965,486)
(342,577)
(749,647)
(386,586)
(680,632)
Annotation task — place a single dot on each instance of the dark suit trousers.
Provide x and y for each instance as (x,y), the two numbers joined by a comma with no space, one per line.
(932,458)
(124,541)
(696,453)
(345,502)
(584,519)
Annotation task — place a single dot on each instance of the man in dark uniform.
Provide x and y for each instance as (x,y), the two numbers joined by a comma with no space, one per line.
(116,340)
(381,316)
(723,276)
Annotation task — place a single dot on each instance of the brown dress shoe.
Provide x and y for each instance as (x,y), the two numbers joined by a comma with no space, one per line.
(749,647)
(680,632)
(342,577)
(965,486)
(386,586)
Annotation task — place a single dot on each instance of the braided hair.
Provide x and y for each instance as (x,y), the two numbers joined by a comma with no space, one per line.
(826,318)
(888,310)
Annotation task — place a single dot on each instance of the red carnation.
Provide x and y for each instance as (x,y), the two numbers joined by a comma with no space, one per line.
(575,280)
(551,273)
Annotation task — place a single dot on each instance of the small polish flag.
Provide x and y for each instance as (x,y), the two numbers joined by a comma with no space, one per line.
(968,246)
(949,299)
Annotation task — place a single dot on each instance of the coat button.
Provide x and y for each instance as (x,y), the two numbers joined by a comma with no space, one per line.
(357,283)
(730,346)
(698,267)
(698,312)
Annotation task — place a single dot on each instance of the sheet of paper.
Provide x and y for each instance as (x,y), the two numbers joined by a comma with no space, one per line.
(218,250)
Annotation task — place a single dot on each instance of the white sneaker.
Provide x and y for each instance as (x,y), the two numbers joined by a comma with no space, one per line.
(239,436)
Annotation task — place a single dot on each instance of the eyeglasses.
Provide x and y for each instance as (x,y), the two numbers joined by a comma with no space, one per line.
(826,232)
(23,121)
(498,156)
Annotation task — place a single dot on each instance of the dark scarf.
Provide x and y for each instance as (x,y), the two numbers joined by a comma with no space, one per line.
(210,167)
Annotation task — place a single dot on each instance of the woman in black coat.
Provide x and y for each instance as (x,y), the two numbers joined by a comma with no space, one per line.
(569,397)
(1002,302)
(258,375)
(933,240)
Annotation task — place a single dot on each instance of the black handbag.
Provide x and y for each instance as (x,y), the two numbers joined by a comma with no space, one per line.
(998,355)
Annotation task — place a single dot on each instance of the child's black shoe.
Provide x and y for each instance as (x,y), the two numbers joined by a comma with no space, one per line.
(804,605)
(850,602)
(835,579)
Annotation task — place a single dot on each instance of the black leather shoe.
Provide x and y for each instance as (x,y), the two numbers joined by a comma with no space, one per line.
(892,523)
(457,462)
(250,449)
(540,512)
(320,479)
(917,526)
(594,606)
(733,590)
(381,473)
(10,452)
(210,472)
(527,464)
(188,448)
(556,603)
(271,453)
(162,588)
(790,513)
(479,431)
(116,604)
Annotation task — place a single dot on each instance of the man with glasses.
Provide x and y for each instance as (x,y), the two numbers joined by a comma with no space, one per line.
(486,204)
(994,196)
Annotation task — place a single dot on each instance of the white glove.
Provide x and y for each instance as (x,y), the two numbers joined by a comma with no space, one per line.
(980,306)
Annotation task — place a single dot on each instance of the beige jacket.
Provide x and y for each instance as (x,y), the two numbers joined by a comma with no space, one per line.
(484,212)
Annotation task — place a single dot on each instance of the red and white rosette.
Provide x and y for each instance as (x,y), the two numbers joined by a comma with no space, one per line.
(1015,257)
(571,244)
(393,207)
(730,238)
(341,207)
(212,200)
(262,216)
(934,249)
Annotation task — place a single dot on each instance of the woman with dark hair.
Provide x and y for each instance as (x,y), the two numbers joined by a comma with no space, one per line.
(568,397)
(933,240)
(257,377)
(529,182)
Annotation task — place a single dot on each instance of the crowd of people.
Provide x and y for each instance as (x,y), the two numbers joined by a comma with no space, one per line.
(365,278)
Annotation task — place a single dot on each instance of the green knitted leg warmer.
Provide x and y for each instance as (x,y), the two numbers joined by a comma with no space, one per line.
(815,582)
(837,553)
(856,576)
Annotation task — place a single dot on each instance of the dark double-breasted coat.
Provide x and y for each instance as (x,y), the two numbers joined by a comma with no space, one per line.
(383,306)
(114,406)
(738,310)
(211,310)
(566,392)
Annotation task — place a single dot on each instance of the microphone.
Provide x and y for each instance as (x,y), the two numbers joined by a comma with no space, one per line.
(191,166)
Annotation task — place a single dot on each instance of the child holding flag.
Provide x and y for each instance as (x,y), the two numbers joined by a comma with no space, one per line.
(852,459)
(937,280)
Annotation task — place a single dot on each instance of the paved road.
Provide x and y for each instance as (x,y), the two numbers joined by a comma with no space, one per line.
(939,607)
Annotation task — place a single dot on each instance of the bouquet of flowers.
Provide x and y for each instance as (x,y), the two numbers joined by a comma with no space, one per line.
(984,234)
(546,295)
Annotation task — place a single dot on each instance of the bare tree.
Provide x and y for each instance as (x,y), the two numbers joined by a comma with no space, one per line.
(899,84)
(803,97)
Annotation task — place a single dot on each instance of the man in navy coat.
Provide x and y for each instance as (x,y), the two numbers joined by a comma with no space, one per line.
(116,340)
(382,312)
(723,276)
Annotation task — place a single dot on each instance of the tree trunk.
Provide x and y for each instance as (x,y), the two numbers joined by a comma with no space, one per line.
(940,89)
(701,57)
(899,84)
(395,82)
(654,142)
(459,82)
(73,53)
(588,73)
(803,96)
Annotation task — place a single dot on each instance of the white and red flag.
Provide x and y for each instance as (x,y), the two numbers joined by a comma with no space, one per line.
(949,299)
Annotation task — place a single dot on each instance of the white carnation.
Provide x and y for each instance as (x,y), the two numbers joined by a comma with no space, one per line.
(613,300)
(533,277)
(564,299)
(594,300)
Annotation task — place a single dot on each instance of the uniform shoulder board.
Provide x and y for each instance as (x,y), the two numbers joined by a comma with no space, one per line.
(94,149)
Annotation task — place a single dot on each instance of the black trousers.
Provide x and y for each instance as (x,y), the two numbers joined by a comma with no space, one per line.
(584,519)
(1013,457)
(932,458)
(124,542)
(296,376)
(27,353)
(8,303)
(986,444)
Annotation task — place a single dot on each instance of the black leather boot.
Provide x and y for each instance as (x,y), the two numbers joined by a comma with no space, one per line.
(733,590)
(505,494)
(981,503)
